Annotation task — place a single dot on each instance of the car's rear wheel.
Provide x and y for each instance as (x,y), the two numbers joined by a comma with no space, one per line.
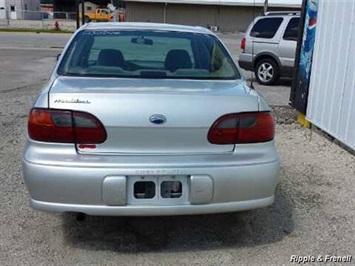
(267,71)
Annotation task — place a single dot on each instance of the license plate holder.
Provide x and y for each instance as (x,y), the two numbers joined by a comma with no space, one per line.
(169,190)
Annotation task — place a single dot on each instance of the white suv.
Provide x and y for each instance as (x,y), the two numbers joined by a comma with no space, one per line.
(269,46)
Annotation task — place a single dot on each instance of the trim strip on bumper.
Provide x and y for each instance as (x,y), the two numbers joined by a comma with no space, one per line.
(101,210)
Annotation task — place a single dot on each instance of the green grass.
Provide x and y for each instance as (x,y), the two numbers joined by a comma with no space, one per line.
(34,30)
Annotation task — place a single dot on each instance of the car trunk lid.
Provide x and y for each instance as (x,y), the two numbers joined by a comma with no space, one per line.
(133,112)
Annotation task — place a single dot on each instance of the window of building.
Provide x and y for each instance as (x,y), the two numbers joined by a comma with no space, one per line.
(12,8)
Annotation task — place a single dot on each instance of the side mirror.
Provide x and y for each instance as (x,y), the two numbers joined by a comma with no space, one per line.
(58,56)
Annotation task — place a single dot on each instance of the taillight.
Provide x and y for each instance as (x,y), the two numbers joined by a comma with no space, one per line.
(236,128)
(242,44)
(64,126)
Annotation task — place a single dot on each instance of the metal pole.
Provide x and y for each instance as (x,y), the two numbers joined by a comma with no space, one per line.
(82,12)
(266,6)
(77,14)
(7,10)
(166,4)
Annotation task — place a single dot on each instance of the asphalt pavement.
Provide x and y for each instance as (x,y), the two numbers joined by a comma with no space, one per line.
(33,40)
(313,214)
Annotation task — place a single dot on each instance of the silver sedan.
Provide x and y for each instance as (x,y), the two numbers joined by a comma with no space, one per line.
(149,119)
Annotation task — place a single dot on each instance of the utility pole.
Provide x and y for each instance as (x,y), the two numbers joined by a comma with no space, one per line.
(114,11)
(77,14)
(82,12)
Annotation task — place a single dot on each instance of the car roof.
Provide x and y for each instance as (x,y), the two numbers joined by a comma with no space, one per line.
(145,26)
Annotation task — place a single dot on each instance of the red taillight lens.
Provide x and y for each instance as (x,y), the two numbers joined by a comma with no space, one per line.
(63,126)
(242,44)
(88,129)
(242,128)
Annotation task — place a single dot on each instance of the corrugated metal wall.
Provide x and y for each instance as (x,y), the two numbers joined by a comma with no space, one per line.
(228,18)
(331,102)
(144,12)
(190,15)
(236,18)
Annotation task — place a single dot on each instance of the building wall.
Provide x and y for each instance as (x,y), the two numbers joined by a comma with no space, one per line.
(144,12)
(89,7)
(188,15)
(331,101)
(2,9)
(24,9)
(227,18)
(237,18)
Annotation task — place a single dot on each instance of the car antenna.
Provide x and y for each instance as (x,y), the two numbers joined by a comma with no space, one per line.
(252,51)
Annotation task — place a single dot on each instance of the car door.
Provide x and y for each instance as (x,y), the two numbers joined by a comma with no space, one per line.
(98,14)
(288,45)
(264,36)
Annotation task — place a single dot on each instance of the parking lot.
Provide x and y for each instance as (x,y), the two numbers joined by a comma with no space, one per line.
(313,214)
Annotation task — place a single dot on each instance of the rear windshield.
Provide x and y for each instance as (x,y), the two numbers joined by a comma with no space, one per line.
(147,54)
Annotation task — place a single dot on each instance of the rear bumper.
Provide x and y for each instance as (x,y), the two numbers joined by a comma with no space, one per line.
(246,65)
(246,62)
(216,183)
(153,210)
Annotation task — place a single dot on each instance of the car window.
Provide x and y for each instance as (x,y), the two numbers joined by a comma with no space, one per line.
(133,52)
(147,54)
(291,31)
(266,28)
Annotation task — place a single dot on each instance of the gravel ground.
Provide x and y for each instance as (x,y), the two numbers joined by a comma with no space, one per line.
(313,213)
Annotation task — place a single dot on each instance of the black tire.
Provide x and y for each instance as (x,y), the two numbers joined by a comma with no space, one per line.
(87,19)
(267,71)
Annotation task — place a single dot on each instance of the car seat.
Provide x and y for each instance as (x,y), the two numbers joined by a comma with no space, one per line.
(177,59)
(111,57)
